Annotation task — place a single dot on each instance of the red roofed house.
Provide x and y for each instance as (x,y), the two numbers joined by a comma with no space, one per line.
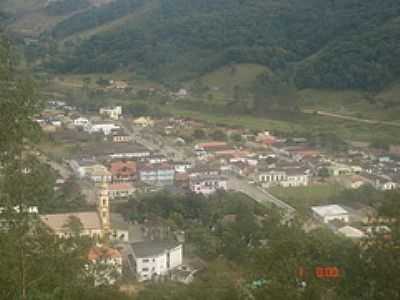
(300,152)
(105,265)
(213,146)
(123,171)
(266,138)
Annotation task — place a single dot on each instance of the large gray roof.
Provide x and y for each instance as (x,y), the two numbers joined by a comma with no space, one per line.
(152,248)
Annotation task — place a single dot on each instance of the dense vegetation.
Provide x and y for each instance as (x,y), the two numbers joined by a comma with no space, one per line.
(328,43)
(95,17)
(64,7)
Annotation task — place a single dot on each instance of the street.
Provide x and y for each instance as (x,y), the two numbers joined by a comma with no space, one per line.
(260,195)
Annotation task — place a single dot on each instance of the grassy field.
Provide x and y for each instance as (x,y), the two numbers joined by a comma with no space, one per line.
(302,198)
(354,103)
(223,81)
(301,125)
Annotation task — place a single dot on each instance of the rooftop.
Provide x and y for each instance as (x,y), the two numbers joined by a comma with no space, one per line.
(329,210)
(351,232)
(152,248)
(57,222)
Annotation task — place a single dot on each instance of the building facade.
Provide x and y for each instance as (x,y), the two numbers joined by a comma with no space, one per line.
(157,174)
(152,259)
(207,185)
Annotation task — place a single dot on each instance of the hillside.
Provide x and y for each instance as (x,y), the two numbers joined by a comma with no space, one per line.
(322,43)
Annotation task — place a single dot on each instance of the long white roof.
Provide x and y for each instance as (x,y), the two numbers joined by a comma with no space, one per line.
(329,210)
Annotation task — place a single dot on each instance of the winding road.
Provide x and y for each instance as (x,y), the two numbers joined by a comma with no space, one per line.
(350,118)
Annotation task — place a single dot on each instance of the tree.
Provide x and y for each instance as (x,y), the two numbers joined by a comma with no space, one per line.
(236,137)
(34,264)
(199,134)
(218,135)
(323,172)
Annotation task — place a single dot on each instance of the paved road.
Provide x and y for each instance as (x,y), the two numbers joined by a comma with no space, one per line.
(260,195)
(350,118)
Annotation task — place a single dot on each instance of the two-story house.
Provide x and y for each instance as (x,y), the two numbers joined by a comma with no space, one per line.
(123,170)
(207,185)
(290,177)
(151,259)
(157,174)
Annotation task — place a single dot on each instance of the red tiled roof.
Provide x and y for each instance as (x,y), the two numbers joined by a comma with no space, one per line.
(119,186)
(123,168)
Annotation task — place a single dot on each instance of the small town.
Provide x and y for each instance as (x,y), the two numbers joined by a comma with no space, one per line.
(117,158)
(199,150)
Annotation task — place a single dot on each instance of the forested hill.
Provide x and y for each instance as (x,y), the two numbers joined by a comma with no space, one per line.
(324,43)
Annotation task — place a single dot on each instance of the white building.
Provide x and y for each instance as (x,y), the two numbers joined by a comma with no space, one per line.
(81,122)
(182,167)
(151,259)
(104,127)
(351,232)
(112,112)
(293,177)
(207,185)
(328,213)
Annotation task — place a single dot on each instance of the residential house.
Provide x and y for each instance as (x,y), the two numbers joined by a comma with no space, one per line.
(212,147)
(207,185)
(123,171)
(120,190)
(351,232)
(157,159)
(99,173)
(266,138)
(90,169)
(152,259)
(81,122)
(113,113)
(143,122)
(182,166)
(203,170)
(119,136)
(339,169)
(105,265)
(329,213)
(101,127)
(157,174)
(383,182)
(285,177)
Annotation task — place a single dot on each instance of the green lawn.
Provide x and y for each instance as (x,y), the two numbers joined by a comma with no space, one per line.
(303,124)
(302,198)
(226,78)
(354,103)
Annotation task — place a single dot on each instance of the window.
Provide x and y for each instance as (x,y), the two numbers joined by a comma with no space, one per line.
(145,269)
(145,260)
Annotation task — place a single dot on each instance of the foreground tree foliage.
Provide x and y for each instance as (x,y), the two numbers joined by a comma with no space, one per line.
(34,264)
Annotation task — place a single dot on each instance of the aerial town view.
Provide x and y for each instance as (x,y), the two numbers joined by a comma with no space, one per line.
(190,150)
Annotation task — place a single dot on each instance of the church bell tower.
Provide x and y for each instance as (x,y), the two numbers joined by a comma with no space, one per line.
(104,208)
